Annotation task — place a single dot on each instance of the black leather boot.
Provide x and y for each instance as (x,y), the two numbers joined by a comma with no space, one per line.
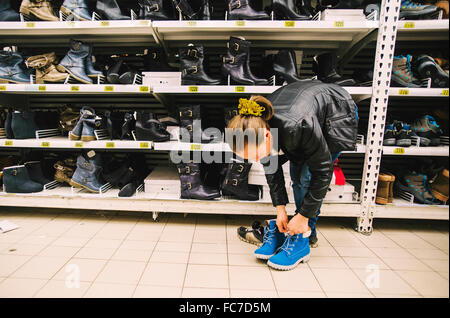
(35,172)
(156,61)
(153,10)
(8,121)
(7,13)
(285,66)
(114,121)
(305,8)
(191,67)
(192,185)
(148,127)
(324,66)
(190,122)
(113,74)
(88,172)
(128,125)
(17,180)
(75,61)
(24,125)
(190,11)
(241,10)
(110,10)
(340,4)
(236,183)
(285,9)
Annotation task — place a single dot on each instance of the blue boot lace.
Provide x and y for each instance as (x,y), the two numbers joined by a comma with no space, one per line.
(268,235)
(289,244)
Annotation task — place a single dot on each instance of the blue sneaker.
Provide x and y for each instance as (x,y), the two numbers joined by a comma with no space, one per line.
(273,239)
(294,251)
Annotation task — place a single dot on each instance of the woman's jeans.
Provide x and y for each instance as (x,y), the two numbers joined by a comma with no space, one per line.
(301,177)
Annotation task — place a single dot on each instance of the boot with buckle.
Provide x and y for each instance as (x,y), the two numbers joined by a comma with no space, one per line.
(110,10)
(88,172)
(191,67)
(78,9)
(17,180)
(192,185)
(64,170)
(200,12)
(156,61)
(12,68)
(7,13)
(152,10)
(41,9)
(46,71)
(148,127)
(190,122)
(241,10)
(236,183)
(75,61)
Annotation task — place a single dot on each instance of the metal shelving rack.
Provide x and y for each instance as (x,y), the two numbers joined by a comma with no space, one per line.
(341,36)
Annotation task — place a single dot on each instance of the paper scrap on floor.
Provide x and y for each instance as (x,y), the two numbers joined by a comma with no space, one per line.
(6,226)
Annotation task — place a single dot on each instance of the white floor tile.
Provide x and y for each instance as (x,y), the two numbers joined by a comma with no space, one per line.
(208,258)
(59,289)
(121,272)
(326,262)
(169,257)
(107,290)
(298,279)
(86,270)
(206,276)
(248,293)
(381,282)
(410,264)
(246,277)
(339,281)
(189,292)
(164,274)
(20,287)
(42,267)
(145,291)
(428,284)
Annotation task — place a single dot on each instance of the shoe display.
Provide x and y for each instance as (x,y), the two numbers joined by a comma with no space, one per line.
(16,179)
(402,74)
(385,186)
(128,125)
(285,66)
(23,124)
(236,183)
(35,172)
(76,9)
(295,250)
(87,123)
(12,68)
(439,187)
(190,125)
(152,10)
(110,10)
(418,185)
(64,170)
(45,66)
(88,172)
(286,9)
(414,9)
(253,234)
(428,130)
(324,65)
(7,13)
(403,134)
(190,10)
(148,127)
(426,67)
(273,239)
(40,9)
(191,67)
(114,122)
(192,186)
(75,61)
(156,61)
(241,10)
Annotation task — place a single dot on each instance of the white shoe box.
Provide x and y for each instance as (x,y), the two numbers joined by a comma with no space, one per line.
(163,179)
(343,15)
(161,78)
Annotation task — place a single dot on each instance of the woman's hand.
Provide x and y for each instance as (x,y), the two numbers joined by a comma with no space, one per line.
(298,224)
(282,219)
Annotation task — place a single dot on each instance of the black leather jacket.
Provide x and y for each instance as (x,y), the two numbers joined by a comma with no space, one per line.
(313,120)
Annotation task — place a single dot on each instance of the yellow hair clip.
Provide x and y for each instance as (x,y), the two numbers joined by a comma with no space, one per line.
(250,108)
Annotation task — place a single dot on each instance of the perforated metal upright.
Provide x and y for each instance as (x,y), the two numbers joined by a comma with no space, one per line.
(384,56)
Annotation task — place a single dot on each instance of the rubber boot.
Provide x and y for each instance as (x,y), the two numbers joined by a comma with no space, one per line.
(46,71)
(325,67)
(75,61)
(156,61)
(87,173)
(192,185)
(148,127)
(427,67)
(23,124)
(17,180)
(286,10)
(439,187)
(236,183)
(89,69)
(191,67)
(78,9)
(241,10)
(7,13)
(11,69)
(190,121)
(152,10)
(35,172)
(285,66)
(201,12)
(129,124)
(110,10)
(41,9)
(294,251)
(273,239)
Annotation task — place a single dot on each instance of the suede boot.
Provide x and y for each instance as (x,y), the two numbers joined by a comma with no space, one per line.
(87,173)
(46,71)
(12,69)
(41,9)
(17,180)
(75,61)
(78,9)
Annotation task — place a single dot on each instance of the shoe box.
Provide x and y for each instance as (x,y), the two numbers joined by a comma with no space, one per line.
(163,180)
(153,79)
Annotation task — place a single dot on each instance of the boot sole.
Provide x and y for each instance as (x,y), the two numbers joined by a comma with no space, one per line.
(88,138)
(440,196)
(73,136)
(65,70)
(403,142)
(263,257)
(389,142)
(438,76)
(381,200)
(70,12)
(29,13)
(402,83)
(304,259)
(77,185)
(7,81)
(247,241)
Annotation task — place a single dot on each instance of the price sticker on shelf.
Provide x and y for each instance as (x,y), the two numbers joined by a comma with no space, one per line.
(144,145)
(8,143)
(409,25)
(191,23)
(444,92)
(399,151)
(240,23)
(338,24)
(109,88)
(144,89)
(289,24)
(193,89)
(74,88)
(2,88)
(71,24)
(104,23)
(30,24)
(239,89)
(45,144)
(144,22)
(403,92)
(78,145)
(110,145)
(196,147)
(42,88)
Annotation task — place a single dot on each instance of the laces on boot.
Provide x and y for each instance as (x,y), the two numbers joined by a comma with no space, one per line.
(289,244)
(268,238)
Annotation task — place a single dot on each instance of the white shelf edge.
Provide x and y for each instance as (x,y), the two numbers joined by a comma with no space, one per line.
(418,92)
(401,209)
(439,151)
(74,89)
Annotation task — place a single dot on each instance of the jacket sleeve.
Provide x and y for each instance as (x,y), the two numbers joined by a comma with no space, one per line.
(314,148)
(275,180)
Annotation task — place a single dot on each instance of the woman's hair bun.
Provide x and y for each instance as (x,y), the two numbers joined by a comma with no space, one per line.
(264,102)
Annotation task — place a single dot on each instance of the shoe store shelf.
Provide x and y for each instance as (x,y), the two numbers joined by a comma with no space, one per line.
(418,92)
(73,89)
(402,209)
(423,30)
(439,151)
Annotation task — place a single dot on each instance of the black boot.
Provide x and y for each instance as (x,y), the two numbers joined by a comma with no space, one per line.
(286,10)
(110,10)
(114,121)
(324,66)
(200,12)
(23,124)
(192,185)
(17,180)
(191,67)
(190,122)
(156,61)
(305,8)
(128,125)
(35,172)
(129,76)
(8,121)
(148,127)
(241,10)
(152,10)
(7,13)
(229,114)
(113,74)
(340,4)
(285,65)
(236,183)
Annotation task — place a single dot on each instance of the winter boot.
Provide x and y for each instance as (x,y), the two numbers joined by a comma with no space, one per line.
(41,9)
(403,134)
(89,126)
(190,121)
(152,10)
(285,66)
(416,184)
(273,239)
(45,68)
(236,183)
(75,61)
(200,12)
(89,66)
(384,187)
(35,172)
(128,125)
(148,127)
(78,9)
(428,130)
(253,234)
(324,66)
(11,70)
(241,10)
(17,180)
(294,251)
(389,135)
(286,10)
(23,124)
(7,13)
(88,171)
(64,171)
(191,67)
(427,67)
(402,74)
(110,10)
(192,184)
(439,187)
(413,9)
(156,61)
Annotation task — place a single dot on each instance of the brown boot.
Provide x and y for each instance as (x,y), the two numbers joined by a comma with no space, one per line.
(383,189)
(68,119)
(440,186)
(391,188)
(64,171)
(45,68)
(41,9)
(443,5)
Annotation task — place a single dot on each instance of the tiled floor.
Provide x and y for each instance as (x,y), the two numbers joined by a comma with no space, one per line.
(57,253)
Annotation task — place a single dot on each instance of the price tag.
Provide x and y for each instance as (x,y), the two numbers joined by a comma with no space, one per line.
(191,23)
(143,89)
(2,88)
(444,92)
(196,147)
(29,25)
(71,24)
(42,88)
(104,23)
(240,23)
(8,143)
(403,92)
(289,24)
(338,24)
(193,89)
(239,89)
(144,145)
(78,145)
(109,88)
(144,22)
(409,25)
(110,145)
(74,88)
(399,151)
(45,144)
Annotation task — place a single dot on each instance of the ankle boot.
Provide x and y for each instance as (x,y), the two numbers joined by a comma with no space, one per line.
(45,68)
(68,119)
(114,121)
(23,124)
(75,61)
(11,69)
(191,67)
(439,187)
(190,122)
(89,67)
(79,9)
(8,121)
(295,250)
(192,185)
(89,126)
(273,239)
(305,8)
(35,172)
(236,183)
(201,12)
(64,171)
(286,10)
(148,127)
(41,9)
(152,10)
(115,173)
(87,173)
(7,13)
(384,188)
(128,125)
(110,10)
(324,66)
(17,180)
(285,66)
(113,74)
(241,10)
(156,61)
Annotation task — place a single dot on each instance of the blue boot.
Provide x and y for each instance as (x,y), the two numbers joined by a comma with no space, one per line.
(272,240)
(75,61)
(77,9)
(11,70)
(294,251)
(87,174)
